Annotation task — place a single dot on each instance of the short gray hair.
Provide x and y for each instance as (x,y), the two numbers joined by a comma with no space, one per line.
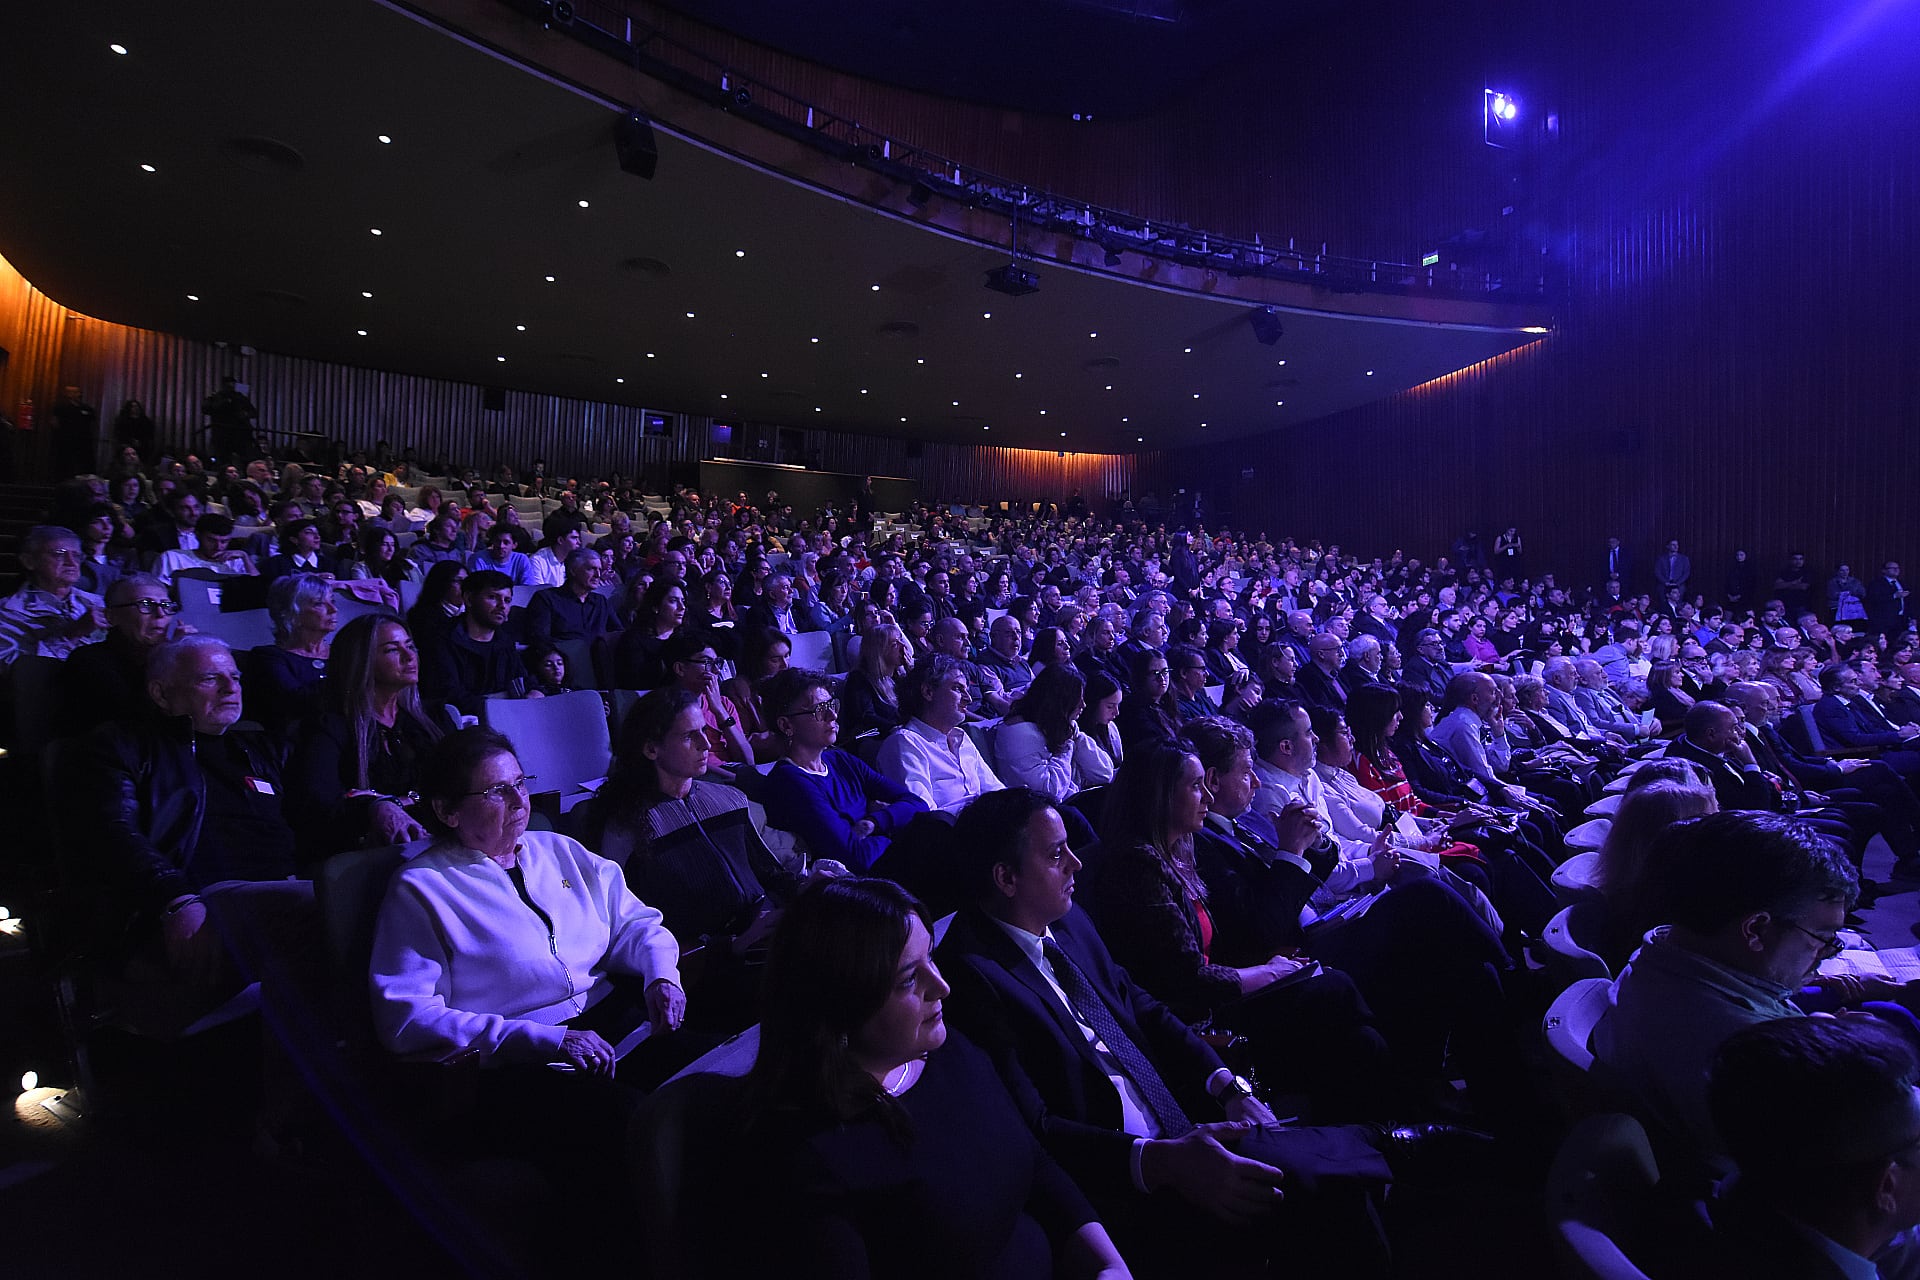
(1362,643)
(42,536)
(165,662)
(288,596)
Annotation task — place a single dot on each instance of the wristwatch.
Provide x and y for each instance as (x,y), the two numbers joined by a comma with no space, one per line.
(1235,1087)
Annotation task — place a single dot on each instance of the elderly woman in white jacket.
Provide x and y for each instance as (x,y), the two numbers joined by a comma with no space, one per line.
(1041,746)
(498,947)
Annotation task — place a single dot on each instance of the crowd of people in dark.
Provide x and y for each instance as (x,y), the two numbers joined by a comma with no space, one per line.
(1103,896)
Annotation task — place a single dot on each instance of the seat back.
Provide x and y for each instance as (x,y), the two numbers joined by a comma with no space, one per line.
(36,703)
(582,673)
(812,650)
(1573,880)
(523,595)
(679,1140)
(1589,835)
(1571,1018)
(562,741)
(1567,953)
(1601,1197)
(1802,732)
(348,891)
(247,629)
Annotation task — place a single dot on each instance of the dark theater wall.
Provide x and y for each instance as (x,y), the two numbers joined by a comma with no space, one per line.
(1737,362)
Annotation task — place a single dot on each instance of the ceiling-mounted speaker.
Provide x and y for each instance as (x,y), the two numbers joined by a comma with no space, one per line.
(1267,328)
(633,140)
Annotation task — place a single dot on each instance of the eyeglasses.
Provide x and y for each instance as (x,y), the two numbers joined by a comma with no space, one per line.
(830,707)
(1829,946)
(497,793)
(701,662)
(148,608)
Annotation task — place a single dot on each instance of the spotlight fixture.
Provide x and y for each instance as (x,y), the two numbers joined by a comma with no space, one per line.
(1267,328)
(1013,280)
(634,143)
(1500,114)
(918,194)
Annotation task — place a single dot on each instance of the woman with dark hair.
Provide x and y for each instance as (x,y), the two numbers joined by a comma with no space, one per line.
(636,655)
(690,848)
(380,557)
(546,668)
(1099,721)
(441,602)
(1052,647)
(506,952)
(1040,745)
(1149,714)
(1278,667)
(132,426)
(355,769)
(886,1146)
(763,654)
(1224,662)
(1669,700)
(839,805)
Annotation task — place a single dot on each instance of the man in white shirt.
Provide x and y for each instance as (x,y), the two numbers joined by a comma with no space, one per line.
(549,564)
(932,756)
(1285,747)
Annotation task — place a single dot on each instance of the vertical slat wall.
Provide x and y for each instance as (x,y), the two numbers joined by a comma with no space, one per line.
(1737,364)
(112,363)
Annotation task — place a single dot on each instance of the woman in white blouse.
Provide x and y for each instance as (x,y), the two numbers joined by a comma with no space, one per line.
(1041,745)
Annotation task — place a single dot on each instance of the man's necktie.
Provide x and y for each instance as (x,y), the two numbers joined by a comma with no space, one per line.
(1087,1003)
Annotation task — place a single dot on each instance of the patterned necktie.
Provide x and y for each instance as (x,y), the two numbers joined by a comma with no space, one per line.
(1094,1012)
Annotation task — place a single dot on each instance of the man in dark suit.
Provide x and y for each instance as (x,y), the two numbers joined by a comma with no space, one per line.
(1849,721)
(1427,666)
(1616,562)
(1319,680)
(1110,1077)
(1671,569)
(780,609)
(1860,788)
(1714,740)
(1822,1117)
(1887,609)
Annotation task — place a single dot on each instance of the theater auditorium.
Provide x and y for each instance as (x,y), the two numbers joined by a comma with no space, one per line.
(1005,639)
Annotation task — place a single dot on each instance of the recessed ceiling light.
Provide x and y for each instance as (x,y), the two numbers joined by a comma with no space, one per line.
(375,230)
(985,427)
(986,315)
(1140,439)
(519,328)
(619,379)
(365,293)
(649,355)
(723,395)
(689,315)
(922,360)
(863,391)
(1278,403)
(382,138)
(549,279)
(501,359)
(875,288)
(1283,362)
(956,404)
(1188,350)
(763,375)
(583,204)
(903,419)
(1109,386)
(816,408)
(1093,335)
(1063,435)
(1369,373)
(193,297)
(1203,424)
(147,168)
(119,49)
(1126,419)
(1019,375)
(813,339)
(739,253)
(1043,413)
(1196,395)
(361,332)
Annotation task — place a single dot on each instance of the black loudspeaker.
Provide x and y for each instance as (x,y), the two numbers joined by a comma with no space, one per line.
(493,399)
(633,139)
(915,449)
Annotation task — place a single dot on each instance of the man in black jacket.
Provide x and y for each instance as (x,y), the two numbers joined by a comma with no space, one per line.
(1111,1078)
(1714,740)
(476,655)
(177,834)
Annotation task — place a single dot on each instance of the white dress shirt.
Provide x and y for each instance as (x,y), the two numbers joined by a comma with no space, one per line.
(1278,789)
(943,769)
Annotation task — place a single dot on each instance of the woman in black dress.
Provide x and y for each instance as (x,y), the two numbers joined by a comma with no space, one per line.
(888,1146)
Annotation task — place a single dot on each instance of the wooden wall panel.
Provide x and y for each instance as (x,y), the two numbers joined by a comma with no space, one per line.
(50,346)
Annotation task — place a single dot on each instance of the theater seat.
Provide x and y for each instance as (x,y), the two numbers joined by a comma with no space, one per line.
(1571,1018)
(1589,835)
(812,650)
(1601,1198)
(1567,936)
(562,741)
(684,1141)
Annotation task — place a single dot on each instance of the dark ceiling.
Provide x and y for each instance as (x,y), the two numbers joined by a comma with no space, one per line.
(261,120)
(1104,57)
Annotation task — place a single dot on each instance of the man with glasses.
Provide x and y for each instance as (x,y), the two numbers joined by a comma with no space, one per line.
(108,681)
(49,616)
(174,823)
(1756,902)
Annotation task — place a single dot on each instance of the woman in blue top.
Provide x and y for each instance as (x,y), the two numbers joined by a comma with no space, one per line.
(839,806)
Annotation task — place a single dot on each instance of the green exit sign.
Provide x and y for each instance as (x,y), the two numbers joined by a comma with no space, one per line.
(1431,260)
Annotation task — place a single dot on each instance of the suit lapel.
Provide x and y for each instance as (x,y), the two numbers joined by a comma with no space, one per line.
(995,944)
